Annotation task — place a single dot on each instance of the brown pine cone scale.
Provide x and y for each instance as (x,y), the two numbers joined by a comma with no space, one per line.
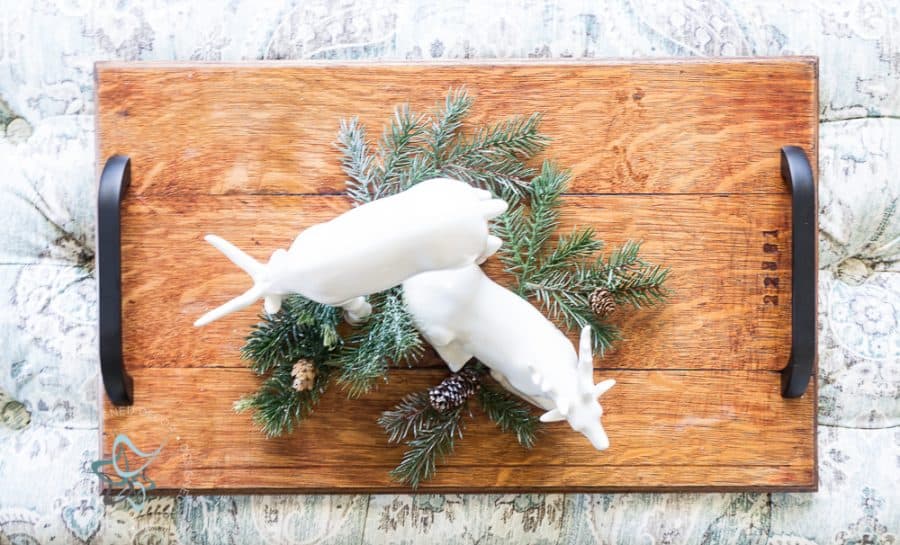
(454,390)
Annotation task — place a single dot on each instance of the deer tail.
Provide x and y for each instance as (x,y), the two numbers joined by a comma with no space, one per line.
(249,265)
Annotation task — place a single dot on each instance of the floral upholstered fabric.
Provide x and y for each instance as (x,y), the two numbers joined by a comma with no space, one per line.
(48,306)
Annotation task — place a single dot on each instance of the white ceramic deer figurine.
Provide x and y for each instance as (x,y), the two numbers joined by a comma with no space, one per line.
(436,224)
(464,314)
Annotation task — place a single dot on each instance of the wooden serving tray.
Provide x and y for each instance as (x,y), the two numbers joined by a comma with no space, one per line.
(685,155)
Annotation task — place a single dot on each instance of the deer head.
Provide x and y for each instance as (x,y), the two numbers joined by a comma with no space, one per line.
(578,402)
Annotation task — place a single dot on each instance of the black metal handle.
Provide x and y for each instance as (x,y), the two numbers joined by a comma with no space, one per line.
(796,171)
(113,182)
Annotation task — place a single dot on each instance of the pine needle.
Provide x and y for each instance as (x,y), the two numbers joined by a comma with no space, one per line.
(430,445)
(277,407)
(412,415)
(388,337)
(442,132)
(358,161)
(560,276)
(302,329)
(398,148)
(510,414)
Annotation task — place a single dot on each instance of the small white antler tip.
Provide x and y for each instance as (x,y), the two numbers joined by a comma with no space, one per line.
(601,387)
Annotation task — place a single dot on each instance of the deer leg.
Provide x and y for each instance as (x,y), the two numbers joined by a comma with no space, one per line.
(491,245)
(356,310)
(453,355)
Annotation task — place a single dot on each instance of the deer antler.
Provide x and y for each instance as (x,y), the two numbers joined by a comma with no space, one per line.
(601,387)
(586,355)
(586,364)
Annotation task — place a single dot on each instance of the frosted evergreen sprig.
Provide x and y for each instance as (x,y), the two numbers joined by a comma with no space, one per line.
(388,337)
(431,435)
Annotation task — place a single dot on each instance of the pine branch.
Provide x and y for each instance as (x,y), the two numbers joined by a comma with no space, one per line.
(643,287)
(432,444)
(430,435)
(412,415)
(357,162)
(517,137)
(324,318)
(302,329)
(565,298)
(510,414)
(277,407)
(562,277)
(374,177)
(504,177)
(623,257)
(525,233)
(397,149)
(570,251)
(388,337)
(443,130)
(545,195)
(494,158)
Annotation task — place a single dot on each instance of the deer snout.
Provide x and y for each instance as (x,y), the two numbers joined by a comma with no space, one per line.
(598,438)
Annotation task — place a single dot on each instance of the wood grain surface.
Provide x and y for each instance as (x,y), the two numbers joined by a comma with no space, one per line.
(681,154)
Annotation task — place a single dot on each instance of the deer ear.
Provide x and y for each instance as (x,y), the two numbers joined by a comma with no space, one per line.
(553,415)
(601,387)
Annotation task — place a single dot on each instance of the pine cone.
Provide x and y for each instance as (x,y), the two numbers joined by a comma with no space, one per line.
(454,390)
(602,302)
(304,373)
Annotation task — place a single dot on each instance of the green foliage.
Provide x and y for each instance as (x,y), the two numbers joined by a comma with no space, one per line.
(431,435)
(494,157)
(387,337)
(560,275)
(302,329)
(509,413)
(430,445)
(276,406)
(441,134)
(411,416)
(417,147)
